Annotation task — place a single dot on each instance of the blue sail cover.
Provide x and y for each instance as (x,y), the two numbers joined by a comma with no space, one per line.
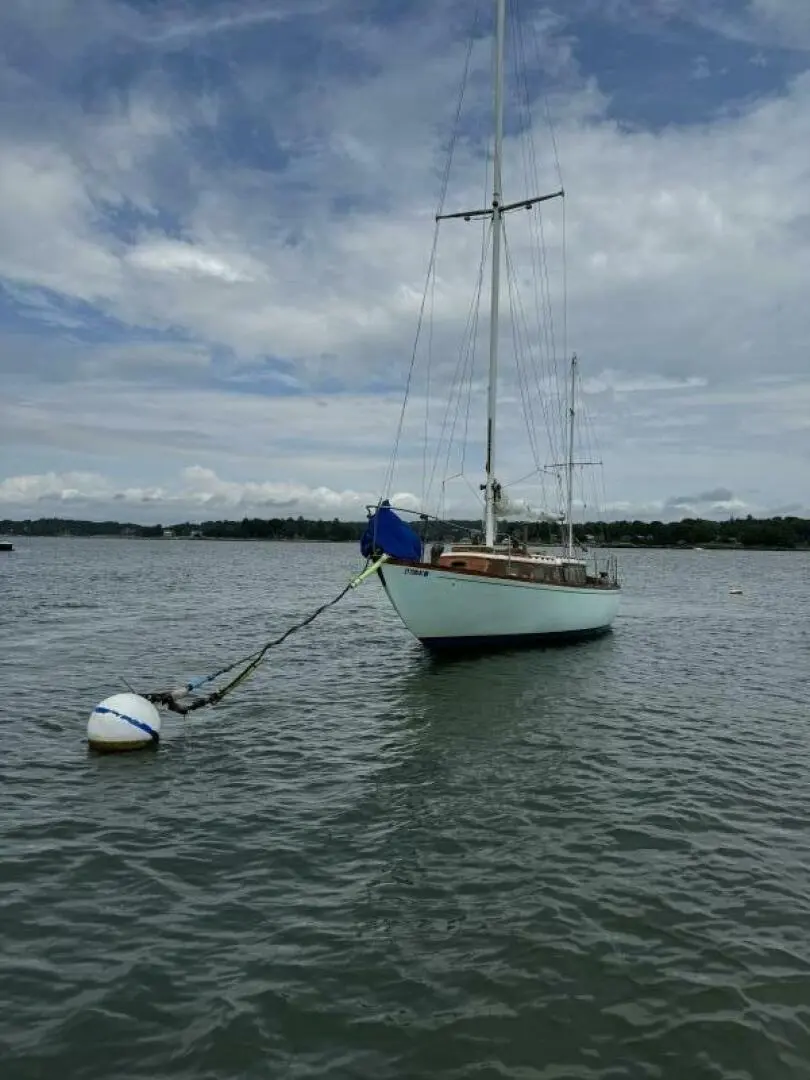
(387,533)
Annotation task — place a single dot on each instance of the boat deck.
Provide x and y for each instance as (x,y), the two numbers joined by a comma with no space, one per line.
(523,565)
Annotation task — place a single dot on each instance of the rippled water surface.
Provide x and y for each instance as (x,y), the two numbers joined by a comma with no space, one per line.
(580,863)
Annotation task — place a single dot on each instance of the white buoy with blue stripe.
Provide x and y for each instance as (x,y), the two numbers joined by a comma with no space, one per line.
(123,722)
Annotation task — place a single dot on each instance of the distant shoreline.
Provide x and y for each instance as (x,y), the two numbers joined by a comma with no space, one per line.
(734,534)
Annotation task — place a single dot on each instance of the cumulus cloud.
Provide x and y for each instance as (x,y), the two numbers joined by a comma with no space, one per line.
(27,490)
(201,494)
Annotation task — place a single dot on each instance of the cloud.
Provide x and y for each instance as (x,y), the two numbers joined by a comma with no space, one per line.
(618,383)
(46,226)
(213,261)
(765,23)
(26,490)
(762,22)
(716,495)
(350,285)
(173,28)
(200,495)
(717,503)
(161,256)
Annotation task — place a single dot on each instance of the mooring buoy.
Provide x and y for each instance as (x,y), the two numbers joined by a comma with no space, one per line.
(123,722)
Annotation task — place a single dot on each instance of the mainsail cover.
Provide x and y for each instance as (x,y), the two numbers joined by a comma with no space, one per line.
(386,533)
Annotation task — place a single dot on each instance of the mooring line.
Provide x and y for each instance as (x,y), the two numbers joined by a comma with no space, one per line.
(173,699)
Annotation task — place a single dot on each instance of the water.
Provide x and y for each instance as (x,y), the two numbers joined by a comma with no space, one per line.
(562,865)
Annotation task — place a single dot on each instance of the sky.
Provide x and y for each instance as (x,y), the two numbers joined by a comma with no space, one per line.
(216,220)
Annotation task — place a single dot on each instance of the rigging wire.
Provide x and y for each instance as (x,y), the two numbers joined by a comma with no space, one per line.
(464,364)
(467,370)
(586,432)
(389,476)
(555,417)
(549,389)
(486,237)
(514,303)
(524,478)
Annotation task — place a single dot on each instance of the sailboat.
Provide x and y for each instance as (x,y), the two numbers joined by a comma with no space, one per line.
(493,592)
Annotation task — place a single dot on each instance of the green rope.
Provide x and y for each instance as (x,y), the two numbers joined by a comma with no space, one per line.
(172,699)
(169,698)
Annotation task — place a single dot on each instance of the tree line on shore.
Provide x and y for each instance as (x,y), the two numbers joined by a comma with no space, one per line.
(775,532)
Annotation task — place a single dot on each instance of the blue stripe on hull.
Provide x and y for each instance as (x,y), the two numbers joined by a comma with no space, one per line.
(487,643)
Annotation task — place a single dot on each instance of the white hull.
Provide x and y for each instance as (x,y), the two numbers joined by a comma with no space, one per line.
(447,610)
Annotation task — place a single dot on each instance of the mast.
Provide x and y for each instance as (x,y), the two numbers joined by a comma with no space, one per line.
(567,532)
(490,522)
(496,210)
(570,463)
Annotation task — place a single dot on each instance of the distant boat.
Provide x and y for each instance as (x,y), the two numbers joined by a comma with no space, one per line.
(6,545)
(494,593)
(735,590)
